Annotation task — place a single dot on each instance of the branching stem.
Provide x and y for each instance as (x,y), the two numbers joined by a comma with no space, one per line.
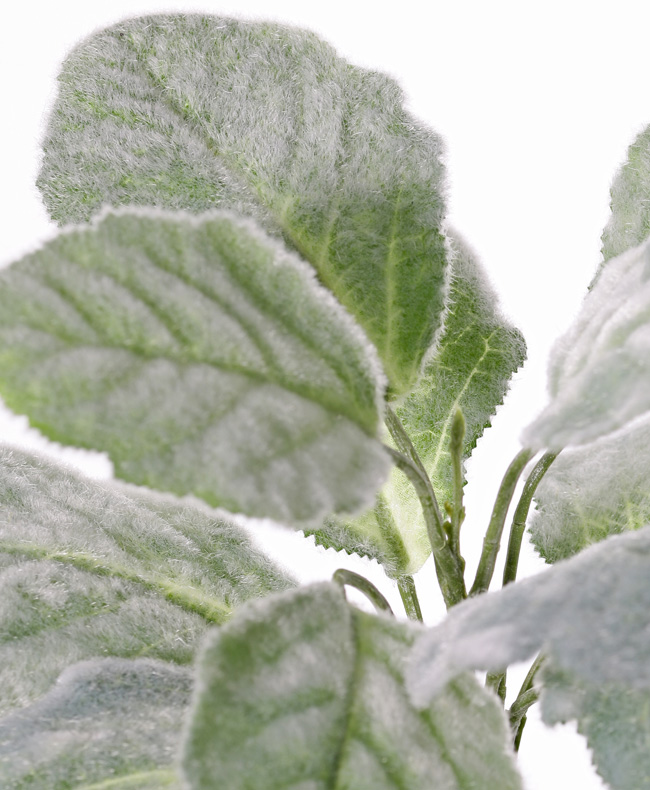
(343,576)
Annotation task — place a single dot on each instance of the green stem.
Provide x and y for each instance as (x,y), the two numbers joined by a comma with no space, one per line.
(449,572)
(528,695)
(492,540)
(457,515)
(406,587)
(343,577)
(521,515)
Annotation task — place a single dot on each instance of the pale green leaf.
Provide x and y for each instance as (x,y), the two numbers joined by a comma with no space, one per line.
(629,223)
(599,373)
(202,357)
(193,112)
(303,691)
(588,613)
(478,353)
(109,724)
(592,492)
(93,569)
(615,719)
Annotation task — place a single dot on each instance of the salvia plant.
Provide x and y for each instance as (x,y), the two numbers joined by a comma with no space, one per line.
(255,304)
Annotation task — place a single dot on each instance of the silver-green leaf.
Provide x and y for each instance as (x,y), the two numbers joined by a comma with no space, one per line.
(91,569)
(195,112)
(629,224)
(303,691)
(478,352)
(593,492)
(202,356)
(599,372)
(588,613)
(108,723)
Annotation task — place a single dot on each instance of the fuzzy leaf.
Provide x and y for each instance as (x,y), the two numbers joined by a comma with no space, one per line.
(109,723)
(588,613)
(613,717)
(202,356)
(629,224)
(593,492)
(599,372)
(90,569)
(194,112)
(303,691)
(478,353)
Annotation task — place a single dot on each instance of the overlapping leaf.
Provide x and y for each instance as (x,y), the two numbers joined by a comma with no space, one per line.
(478,353)
(194,112)
(592,492)
(304,691)
(90,569)
(108,723)
(588,613)
(202,356)
(629,224)
(615,719)
(599,374)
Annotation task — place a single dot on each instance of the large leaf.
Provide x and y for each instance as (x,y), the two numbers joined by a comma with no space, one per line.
(599,374)
(592,492)
(90,569)
(202,356)
(588,613)
(615,719)
(109,723)
(629,223)
(478,353)
(196,111)
(303,691)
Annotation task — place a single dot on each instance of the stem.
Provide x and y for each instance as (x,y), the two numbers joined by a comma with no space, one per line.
(492,540)
(406,587)
(448,570)
(343,577)
(528,695)
(457,514)
(521,515)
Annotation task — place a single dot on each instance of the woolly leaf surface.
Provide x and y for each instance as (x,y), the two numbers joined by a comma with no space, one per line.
(614,718)
(588,613)
(108,723)
(629,223)
(592,492)
(202,356)
(91,569)
(194,112)
(478,353)
(303,691)
(599,371)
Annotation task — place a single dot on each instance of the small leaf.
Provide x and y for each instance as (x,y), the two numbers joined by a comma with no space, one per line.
(305,691)
(614,719)
(90,569)
(195,112)
(593,492)
(202,357)
(599,372)
(629,224)
(107,723)
(588,613)
(478,353)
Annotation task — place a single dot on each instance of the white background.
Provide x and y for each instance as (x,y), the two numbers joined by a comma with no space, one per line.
(537,104)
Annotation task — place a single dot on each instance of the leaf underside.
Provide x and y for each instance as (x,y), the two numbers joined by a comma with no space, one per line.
(475,359)
(89,569)
(202,356)
(302,691)
(195,112)
(107,724)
